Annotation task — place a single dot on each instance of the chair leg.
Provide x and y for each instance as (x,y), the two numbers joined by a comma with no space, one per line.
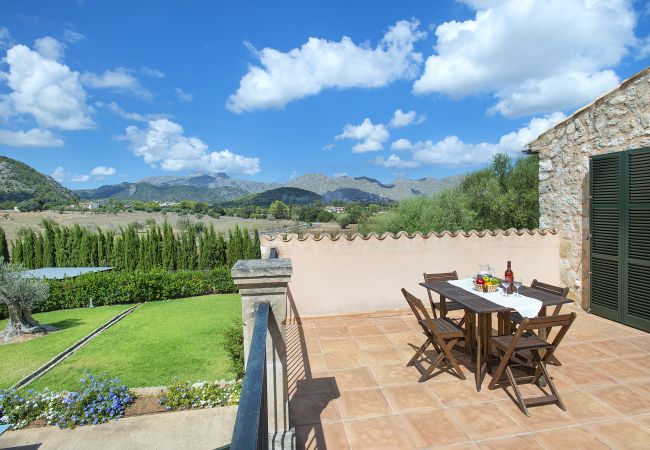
(551,386)
(420,351)
(499,372)
(515,387)
(451,359)
(427,373)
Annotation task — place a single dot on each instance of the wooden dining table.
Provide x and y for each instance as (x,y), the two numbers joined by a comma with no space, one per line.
(478,311)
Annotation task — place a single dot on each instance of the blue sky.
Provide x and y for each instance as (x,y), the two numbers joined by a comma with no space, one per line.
(102,92)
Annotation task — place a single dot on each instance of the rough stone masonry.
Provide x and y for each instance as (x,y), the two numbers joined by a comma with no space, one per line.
(617,121)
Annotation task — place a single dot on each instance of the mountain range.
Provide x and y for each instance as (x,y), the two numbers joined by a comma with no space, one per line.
(20,182)
(221,188)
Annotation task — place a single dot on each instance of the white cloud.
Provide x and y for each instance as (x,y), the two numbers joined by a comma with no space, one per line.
(72,36)
(32,138)
(395,162)
(183,96)
(49,48)
(534,55)
(5,38)
(119,79)
(151,72)
(321,64)
(119,111)
(103,171)
(401,144)
(453,152)
(163,143)
(403,119)
(371,137)
(58,174)
(45,88)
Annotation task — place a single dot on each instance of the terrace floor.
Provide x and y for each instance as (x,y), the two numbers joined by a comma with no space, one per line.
(349,387)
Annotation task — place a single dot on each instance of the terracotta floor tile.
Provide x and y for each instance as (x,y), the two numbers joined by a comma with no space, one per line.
(623,370)
(621,434)
(314,409)
(573,438)
(485,420)
(584,375)
(579,353)
(627,399)
(364,330)
(332,331)
(583,407)
(382,356)
(387,375)
(643,419)
(302,332)
(411,398)
(363,403)
(311,345)
(378,433)
(343,360)
(373,342)
(419,429)
(319,437)
(643,342)
(540,418)
(642,361)
(645,387)
(317,383)
(357,378)
(455,393)
(392,325)
(619,348)
(314,362)
(331,345)
(514,443)
(406,341)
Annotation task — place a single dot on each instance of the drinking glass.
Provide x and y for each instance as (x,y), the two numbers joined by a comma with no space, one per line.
(506,285)
(517,285)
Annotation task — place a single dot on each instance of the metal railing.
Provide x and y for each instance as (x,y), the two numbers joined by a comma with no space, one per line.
(251,425)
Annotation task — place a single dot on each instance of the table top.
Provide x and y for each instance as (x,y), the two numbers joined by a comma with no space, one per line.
(481,305)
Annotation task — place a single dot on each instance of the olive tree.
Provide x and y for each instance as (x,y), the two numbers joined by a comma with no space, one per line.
(20,294)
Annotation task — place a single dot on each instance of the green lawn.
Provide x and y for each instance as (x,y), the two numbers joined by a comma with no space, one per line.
(155,344)
(19,359)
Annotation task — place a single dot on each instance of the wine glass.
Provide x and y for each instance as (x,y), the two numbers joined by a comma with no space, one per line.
(517,285)
(506,286)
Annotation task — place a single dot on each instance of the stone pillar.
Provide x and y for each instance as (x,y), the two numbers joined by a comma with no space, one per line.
(265,280)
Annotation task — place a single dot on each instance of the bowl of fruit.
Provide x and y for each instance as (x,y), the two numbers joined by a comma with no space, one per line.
(486,283)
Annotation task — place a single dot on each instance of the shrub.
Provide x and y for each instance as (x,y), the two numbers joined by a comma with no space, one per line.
(110,288)
(233,344)
(97,401)
(201,395)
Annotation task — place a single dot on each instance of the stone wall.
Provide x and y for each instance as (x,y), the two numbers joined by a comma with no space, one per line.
(618,121)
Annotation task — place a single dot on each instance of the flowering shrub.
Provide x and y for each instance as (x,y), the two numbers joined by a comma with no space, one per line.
(201,395)
(98,401)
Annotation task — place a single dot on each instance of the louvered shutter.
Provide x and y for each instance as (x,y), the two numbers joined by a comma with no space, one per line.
(606,239)
(637,302)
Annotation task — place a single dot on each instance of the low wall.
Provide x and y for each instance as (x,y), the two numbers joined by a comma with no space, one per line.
(346,275)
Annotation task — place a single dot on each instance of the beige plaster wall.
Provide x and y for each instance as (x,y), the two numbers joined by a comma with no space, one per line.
(618,121)
(361,275)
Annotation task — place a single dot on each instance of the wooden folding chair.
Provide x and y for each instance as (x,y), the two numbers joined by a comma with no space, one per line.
(442,335)
(450,305)
(516,318)
(523,349)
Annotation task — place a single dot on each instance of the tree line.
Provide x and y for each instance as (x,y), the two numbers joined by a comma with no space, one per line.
(129,249)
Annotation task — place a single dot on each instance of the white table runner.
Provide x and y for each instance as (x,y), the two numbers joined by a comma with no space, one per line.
(526,306)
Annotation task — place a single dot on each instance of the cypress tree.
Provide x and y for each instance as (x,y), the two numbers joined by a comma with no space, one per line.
(247,244)
(257,246)
(17,251)
(49,247)
(28,249)
(221,258)
(4,246)
(38,251)
(168,247)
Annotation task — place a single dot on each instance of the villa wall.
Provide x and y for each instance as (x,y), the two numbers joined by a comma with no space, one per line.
(341,275)
(618,121)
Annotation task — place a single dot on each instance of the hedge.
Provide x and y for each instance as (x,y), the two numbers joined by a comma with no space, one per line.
(110,288)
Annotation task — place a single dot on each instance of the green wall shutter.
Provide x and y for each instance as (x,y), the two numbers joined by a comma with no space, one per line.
(620,236)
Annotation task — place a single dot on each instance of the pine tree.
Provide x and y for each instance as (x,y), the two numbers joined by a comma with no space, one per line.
(4,246)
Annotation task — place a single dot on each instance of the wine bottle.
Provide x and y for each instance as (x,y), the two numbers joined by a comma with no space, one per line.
(509,277)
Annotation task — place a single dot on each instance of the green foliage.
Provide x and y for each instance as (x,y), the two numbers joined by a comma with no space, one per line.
(314,213)
(233,344)
(4,246)
(201,395)
(502,196)
(133,248)
(109,288)
(287,195)
(19,292)
(279,210)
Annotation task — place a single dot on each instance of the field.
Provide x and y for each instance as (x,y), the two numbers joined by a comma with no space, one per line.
(20,359)
(12,221)
(156,344)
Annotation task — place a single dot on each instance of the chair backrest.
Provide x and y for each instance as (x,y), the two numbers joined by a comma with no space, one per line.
(435,277)
(563,321)
(563,292)
(419,311)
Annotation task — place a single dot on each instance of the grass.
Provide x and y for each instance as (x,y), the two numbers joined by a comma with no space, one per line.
(156,344)
(20,359)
